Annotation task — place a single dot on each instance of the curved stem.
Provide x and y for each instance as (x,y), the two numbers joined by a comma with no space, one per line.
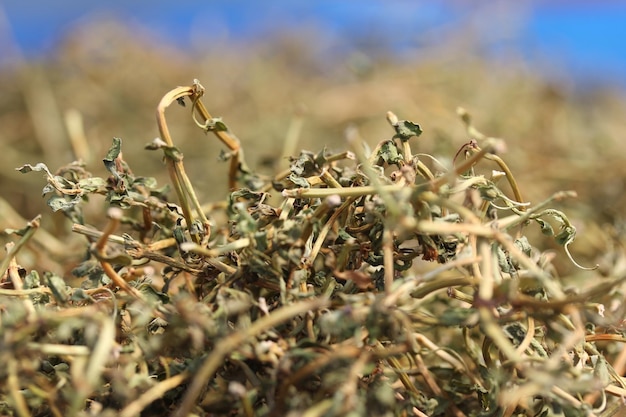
(99,248)
(180,180)
(227,138)
(174,166)
(509,176)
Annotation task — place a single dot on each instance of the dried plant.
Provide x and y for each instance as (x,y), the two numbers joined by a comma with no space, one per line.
(365,282)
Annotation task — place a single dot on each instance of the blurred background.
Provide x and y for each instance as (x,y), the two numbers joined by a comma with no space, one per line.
(549,77)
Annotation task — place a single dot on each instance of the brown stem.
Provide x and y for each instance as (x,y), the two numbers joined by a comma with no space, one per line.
(174,166)
(225,136)
(99,248)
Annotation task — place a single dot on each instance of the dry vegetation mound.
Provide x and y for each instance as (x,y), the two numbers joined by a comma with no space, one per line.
(380,270)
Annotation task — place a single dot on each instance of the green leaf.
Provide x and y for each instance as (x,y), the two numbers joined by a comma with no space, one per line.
(215,124)
(457,316)
(152,295)
(86,268)
(546,228)
(224,156)
(305,165)
(92,184)
(504,261)
(26,168)
(171,152)
(148,182)
(321,158)
(112,154)
(260,239)
(344,235)
(405,130)
(63,203)
(488,192)
(79,295)
(389,153)
(58,287)
(31,280)
(247,194)
(299,181)
(155,145)
(18,232)
(566,235)
(523,245)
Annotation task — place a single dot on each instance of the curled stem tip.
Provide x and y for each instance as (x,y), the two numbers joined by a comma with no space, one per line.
(571,258)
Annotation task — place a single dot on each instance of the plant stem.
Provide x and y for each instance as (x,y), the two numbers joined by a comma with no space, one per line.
(33,226)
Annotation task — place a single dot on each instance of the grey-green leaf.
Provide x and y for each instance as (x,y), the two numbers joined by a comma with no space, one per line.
(112,154)
(405,130)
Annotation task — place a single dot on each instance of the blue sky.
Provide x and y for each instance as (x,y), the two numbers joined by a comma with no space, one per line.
(585,39)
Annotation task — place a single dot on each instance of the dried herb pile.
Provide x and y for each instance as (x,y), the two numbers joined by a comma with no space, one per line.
(361,282)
